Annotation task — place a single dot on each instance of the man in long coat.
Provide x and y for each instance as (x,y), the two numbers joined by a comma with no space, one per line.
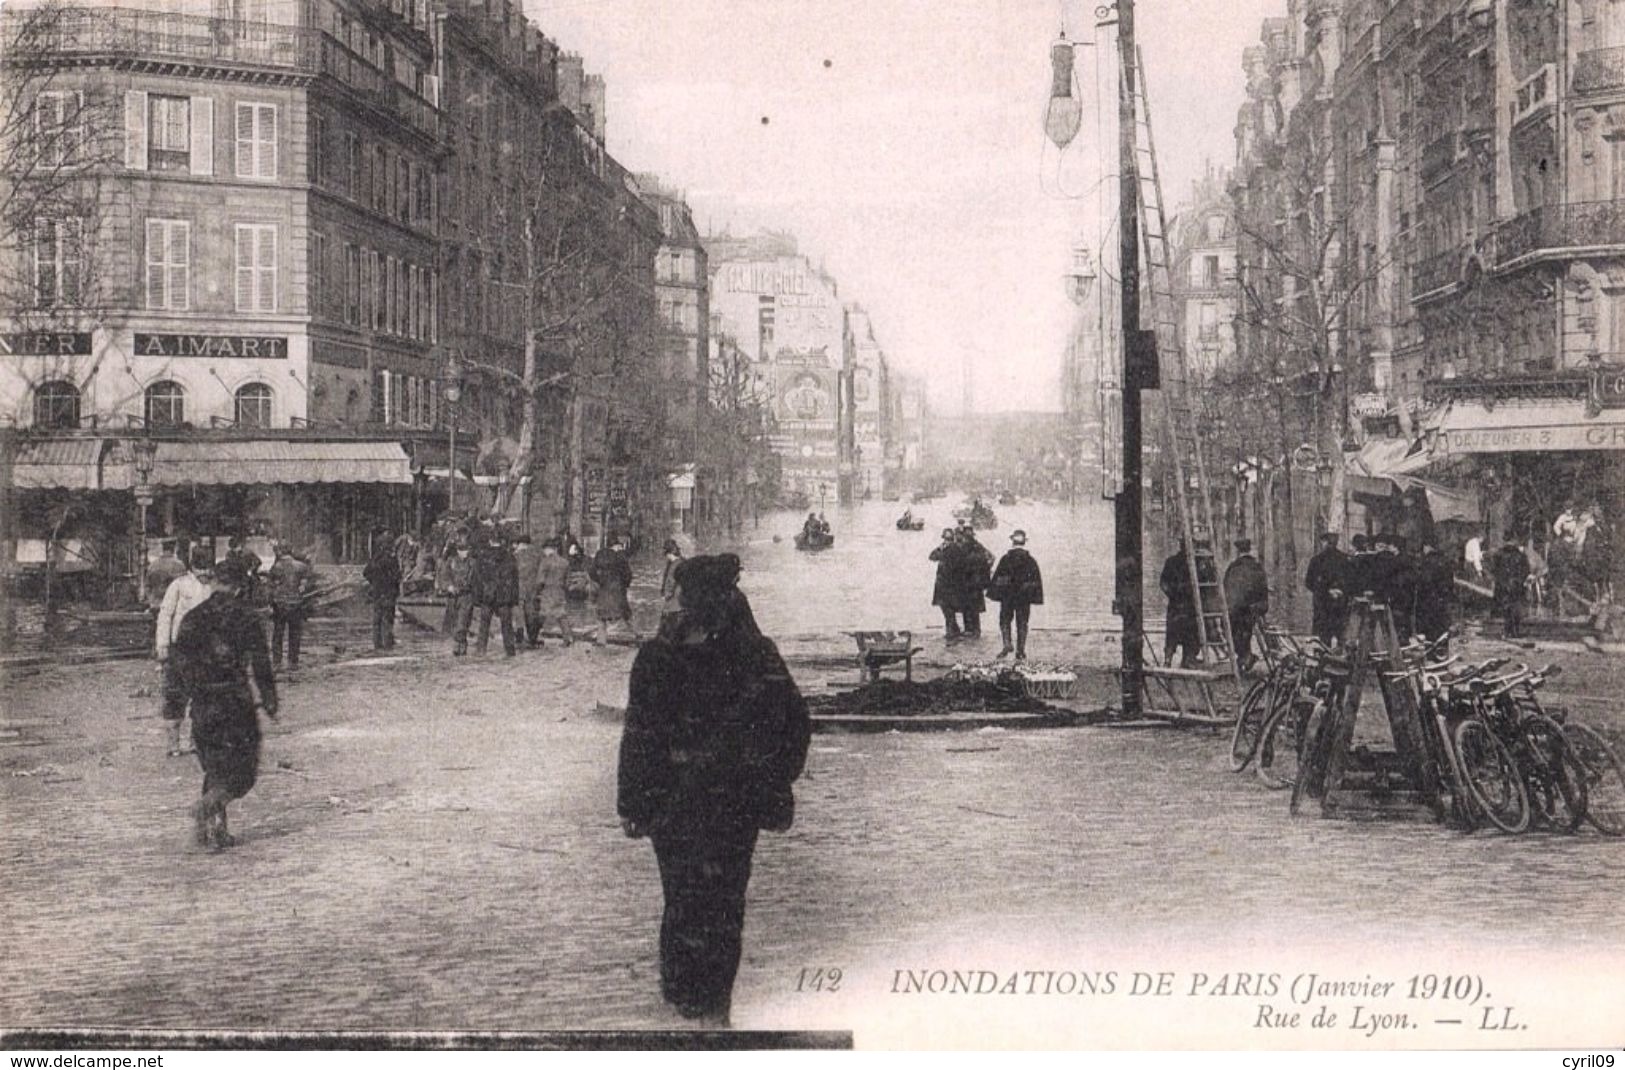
(612,572)
(225,670)
(552,595)
(976,571)
(1327,581)
(527,559)
(716,732)
(945,593)
(1247,594)
(1017,585)
(495,584)
(1180,633)
(383,576)
(1510,568)
(1435,587)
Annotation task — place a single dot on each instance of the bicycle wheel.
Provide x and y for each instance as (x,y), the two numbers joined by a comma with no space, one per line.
(1279,744)
(1249,724)
(1605,778)
(1555,779)
(1313,725)
(1492,776)
(1461,798)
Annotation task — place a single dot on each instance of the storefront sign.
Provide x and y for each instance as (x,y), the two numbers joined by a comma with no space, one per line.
(1611,388)
(1580,436)
(266,347)
(45,344)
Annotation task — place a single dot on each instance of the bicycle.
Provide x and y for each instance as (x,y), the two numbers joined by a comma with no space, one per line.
(1604,776)
(1554,780)
(1283,659)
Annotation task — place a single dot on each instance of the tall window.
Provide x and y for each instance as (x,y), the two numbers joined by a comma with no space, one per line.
(59,127)
(352,284)
(59,261)
(1210,271)
(256,141)
(56,405)
(169,133)
(318,150)
(256,267)
(166,404)
(253,405)
(319,301)
(352,165)
(1208,324)
(169,264)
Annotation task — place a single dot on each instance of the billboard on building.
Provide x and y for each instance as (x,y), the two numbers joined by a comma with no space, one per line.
(804,397)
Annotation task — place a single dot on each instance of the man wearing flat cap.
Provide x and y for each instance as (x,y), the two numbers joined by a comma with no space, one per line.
(1017,586)
(1247,593)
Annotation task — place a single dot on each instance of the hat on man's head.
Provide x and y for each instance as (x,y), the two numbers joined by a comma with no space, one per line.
(1018,537)
(672,547)
(1244,546)
(947,533)
(200,558)
(1331,537)
(233,572)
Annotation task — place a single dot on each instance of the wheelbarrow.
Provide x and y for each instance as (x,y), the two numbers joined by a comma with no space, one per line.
(876,650)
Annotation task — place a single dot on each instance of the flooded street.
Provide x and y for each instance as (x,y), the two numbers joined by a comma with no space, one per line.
(877,577)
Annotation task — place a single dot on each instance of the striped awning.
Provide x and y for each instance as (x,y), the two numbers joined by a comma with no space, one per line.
(68,463)
(275,461)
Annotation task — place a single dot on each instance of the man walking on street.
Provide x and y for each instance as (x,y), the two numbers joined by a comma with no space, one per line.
(612,572)
(1247,593)
(552,596)
(1510,569)
(290,580)
(527,560)
(496,591)
(383,576)
(668,580)
(1018,586)
(1435,586)
(237,550)
(225,672)
(182,596)
(1327,582)
(459,587)
(161,573)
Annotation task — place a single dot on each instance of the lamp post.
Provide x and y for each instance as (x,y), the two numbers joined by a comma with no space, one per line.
(453,393)
(144,453)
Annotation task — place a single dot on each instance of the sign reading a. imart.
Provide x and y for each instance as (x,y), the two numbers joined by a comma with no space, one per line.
(263,347)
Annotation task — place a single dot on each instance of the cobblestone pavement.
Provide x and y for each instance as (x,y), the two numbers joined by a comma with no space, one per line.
(433,844)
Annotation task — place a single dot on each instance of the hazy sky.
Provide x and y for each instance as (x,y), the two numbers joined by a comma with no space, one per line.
(903,145)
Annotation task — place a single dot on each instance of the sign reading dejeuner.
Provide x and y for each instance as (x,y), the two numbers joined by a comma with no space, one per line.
(231,346)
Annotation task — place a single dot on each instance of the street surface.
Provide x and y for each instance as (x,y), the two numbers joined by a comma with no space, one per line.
(433,845)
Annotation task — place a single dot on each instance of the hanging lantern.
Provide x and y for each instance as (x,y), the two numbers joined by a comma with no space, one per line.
(1065,111)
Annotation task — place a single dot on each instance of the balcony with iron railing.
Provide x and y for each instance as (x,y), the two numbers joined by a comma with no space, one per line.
(139,35)
(1599,70)
(1566,383)
(376,87)
(1557,227)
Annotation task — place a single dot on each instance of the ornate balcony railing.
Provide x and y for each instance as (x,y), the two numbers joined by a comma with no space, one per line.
(1559,384)
(1585,224)
(1436,272)
(1599,69)
(157,35)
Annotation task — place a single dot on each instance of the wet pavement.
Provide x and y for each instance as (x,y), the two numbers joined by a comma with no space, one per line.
(433,845)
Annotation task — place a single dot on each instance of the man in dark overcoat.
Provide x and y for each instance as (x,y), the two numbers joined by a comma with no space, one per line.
(1181,633)
(945,592)
(716,732)
(976,571)
(612,572)
(1435,587)
(1017,585)
(495,585)
(223,665)
(1327,581)
(383,576)
(1510,567)
(1247,594)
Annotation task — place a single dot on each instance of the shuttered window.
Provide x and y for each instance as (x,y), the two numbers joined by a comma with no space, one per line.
(59,261)
(256,267)
(256,141)
(169,264)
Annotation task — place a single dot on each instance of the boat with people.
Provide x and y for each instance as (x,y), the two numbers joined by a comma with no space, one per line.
(981,517)
(909,522)
(814,540)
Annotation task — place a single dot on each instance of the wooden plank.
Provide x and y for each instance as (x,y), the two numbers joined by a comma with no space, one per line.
(1209,676)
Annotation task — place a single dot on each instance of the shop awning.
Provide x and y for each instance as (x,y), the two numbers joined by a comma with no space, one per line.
(1386,466)
(1539,425)
(68,463)
(273,461)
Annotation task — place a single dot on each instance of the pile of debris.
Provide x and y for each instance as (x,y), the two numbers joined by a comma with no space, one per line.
(957,692)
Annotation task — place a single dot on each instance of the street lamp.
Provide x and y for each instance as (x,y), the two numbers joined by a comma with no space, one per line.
(144,453)
(452,391)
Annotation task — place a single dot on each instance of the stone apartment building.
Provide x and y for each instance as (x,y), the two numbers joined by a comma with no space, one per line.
(1204,274)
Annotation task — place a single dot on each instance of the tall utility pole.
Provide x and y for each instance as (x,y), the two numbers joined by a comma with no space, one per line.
(1129,521)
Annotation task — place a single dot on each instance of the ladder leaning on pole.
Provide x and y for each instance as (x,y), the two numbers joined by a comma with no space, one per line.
(1186,470)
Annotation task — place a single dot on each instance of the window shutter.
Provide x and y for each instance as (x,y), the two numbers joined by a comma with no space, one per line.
(155,264)
(178,284)
(135,129)
(265,134)
(386,395)
(267,269)
(245,268)
(203,135)
(245,141)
